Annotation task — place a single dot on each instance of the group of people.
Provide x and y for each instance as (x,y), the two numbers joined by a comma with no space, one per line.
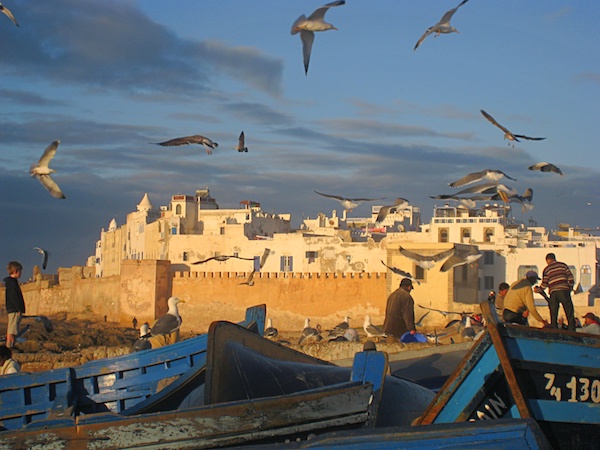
(515,301)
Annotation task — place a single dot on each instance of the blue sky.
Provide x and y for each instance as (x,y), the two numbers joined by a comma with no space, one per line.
(373,118)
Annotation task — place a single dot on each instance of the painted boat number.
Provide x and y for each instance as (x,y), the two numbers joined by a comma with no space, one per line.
(575,390)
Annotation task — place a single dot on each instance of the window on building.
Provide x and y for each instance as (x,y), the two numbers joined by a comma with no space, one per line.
(488,283)
(488,234)
(312,256)
(185,256)
(488,258)
(573,270)
(222,231)
(173,230)
(443,235)
(286,263)
(419,273)
(465,234)
(585,277)
(178,210)
(524,269)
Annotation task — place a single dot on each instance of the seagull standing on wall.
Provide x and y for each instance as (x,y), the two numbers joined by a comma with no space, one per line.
(372,331)
(310,334)
(307,26)
(270,332)
(171,321)
(443,26)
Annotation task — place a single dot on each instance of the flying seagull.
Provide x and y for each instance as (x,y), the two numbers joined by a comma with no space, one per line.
(307,27)
(42,172)
(264,256)
(460,257)
(6,11)
(349,203)
(241,147)
(426,262)
(524,200)
(443,26)
(385,210)
(270,332)
(44,254)
(372,331)
(401,272)
(484,188)
(488,174)
(309,333)
(250,280)
(221,258)
(507,134)
(171,321)
(546,167)
(208,144)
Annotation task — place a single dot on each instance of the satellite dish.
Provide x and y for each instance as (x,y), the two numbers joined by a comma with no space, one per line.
(400,227)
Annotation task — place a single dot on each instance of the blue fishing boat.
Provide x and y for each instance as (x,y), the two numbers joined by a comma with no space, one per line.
(107,385)
(514,371)
(253,391)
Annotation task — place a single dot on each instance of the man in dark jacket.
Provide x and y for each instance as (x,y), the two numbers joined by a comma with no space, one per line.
(15,303)
(400,311)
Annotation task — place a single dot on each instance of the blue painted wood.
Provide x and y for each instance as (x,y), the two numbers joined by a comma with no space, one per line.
(112,384)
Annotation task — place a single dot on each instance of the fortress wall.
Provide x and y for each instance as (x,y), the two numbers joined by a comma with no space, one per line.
(326,298)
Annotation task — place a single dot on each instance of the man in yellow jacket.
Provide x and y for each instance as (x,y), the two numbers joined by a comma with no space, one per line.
(519,299)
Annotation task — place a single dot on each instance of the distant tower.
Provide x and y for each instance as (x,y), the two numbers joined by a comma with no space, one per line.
(112,226)
(145,205)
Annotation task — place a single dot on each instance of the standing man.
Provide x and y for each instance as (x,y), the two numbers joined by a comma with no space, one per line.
(519,299)
(558,278)
(15,303)
(400,311)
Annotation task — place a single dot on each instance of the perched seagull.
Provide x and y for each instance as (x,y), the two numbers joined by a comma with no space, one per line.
(171,321)
(460,257)
(426,262)
(443,26)
(309,333)
(44,254)
(488,174)
(349,203)
(546,167)
(250,280)
(507,134)
(241,147)
(42,172)
(385,210)
(342,326)
(263,258)
(195,139)
(143,343)
(270,332)
(6,11)
(221,258)
(307,27)
(401,272)
(372,330)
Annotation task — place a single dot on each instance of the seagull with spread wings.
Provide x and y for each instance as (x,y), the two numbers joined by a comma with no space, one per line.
(221,258)
(546,167)
(307,26)
(487,174)
(241,147)
(44,254)
(208,144)
(385,210)
(349,203)
(5,10)
(426,261)
(443,26)
(401,272)
(507,134)
(42,172)
(461,256)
